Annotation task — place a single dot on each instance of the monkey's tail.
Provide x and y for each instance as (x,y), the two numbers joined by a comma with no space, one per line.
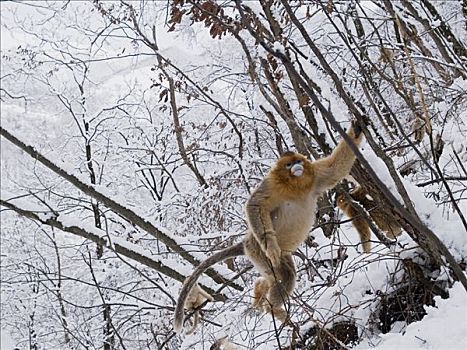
(226,253)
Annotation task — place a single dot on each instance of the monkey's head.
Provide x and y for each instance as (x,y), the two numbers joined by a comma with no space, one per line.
(341,203)
(293,169)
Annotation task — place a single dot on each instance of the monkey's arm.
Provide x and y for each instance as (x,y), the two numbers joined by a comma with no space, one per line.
(362,228)
(205,294)
(258,213)
(359,222)
(330,170)
(226,253)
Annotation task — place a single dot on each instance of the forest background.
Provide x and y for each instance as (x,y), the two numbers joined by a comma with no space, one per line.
(133,132)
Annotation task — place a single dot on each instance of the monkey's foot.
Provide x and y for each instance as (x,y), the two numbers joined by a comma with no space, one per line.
(259,294)
(258,304)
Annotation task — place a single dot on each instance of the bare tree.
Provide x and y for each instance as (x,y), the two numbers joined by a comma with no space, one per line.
(142,127)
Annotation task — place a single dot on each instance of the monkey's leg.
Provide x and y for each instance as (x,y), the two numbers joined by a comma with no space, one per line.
(262,265)
(393,231)
(363,230)
(283,284)
(366,245)
(205,294)
(195,323)
(260,291)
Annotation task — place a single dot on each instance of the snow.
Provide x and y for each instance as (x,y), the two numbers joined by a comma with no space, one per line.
(6,342)
(444,327)
(278,47)
(134,152)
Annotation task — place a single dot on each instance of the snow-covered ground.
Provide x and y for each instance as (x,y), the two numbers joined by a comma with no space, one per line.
(443,328)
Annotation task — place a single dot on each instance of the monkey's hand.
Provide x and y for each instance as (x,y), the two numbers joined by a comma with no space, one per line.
(357,129)
(273,251)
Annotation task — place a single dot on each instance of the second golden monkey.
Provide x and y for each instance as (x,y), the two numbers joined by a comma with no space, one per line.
(196,297)
(280,214)
(381,219)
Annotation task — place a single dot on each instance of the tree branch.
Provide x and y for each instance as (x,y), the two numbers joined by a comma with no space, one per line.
(116,207)
(427,240)
(102,240)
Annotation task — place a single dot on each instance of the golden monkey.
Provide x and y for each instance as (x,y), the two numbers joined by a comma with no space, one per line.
(280,213)
(381,219)
(386,54)
(419,129)
(196,297)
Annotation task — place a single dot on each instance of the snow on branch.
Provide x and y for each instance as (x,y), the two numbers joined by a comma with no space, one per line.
(125,212)
(115,244)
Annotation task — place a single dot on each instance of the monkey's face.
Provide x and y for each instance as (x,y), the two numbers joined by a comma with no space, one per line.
(292,168)
(340,201)
(296,167)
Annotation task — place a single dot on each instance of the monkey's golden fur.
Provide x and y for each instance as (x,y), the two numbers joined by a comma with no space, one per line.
(381,219)
(280,214)
(419,129)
